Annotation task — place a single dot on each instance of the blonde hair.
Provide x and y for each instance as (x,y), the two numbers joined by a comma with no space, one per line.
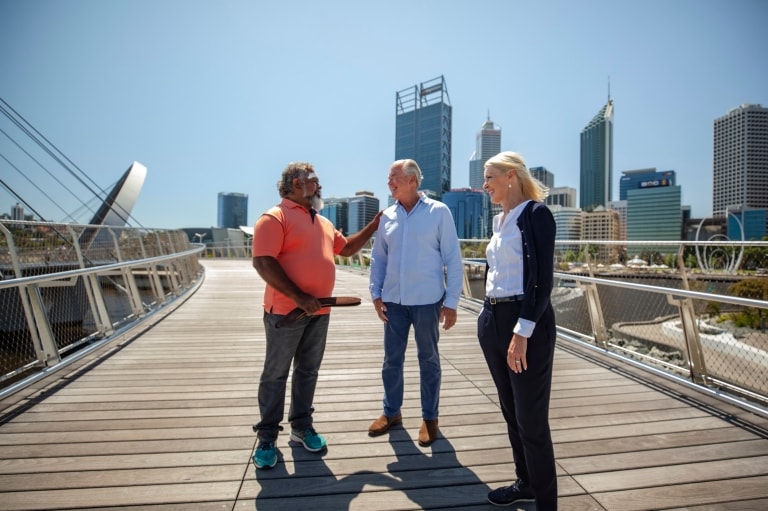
(530,187)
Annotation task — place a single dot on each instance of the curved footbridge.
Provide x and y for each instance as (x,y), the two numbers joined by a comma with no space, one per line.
(162,421)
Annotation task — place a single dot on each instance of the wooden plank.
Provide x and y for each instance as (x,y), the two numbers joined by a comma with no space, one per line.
(668,473)
(720,492)
(164,422)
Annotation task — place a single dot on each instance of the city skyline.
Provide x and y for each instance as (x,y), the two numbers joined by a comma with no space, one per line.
(220,97)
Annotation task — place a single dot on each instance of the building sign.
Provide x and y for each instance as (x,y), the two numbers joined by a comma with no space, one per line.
(430,90)
(653,183)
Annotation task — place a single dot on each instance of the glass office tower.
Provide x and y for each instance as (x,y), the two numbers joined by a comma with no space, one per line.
(423,133)
(655,213)
(644,178)
(233,210)
(337,211)
(546,177)
(362,209)
(596,175)
(469,209)
(488,144)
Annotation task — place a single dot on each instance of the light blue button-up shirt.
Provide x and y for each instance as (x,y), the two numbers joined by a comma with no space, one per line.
(416,258)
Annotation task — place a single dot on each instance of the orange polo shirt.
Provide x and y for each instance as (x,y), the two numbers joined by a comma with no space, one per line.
(304,249)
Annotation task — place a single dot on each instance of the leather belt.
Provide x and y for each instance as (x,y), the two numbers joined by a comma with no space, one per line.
(494,300)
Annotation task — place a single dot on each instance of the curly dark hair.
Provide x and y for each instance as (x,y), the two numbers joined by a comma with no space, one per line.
(292,171)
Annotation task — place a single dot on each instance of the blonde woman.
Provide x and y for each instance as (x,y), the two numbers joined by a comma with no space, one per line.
(516,328)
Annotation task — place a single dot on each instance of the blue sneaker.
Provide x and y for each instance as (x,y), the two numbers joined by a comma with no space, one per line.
(265,455)
(312,441)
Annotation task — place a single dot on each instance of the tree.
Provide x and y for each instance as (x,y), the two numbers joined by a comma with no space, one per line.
(757,289)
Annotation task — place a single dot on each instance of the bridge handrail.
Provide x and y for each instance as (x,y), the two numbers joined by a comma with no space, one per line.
(104,268)
(673,335)
(102,282)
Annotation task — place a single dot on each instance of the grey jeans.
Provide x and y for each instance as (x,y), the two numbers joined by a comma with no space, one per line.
(301,343)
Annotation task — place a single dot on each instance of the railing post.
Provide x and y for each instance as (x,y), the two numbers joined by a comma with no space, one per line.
(93,290)
(132,290)
(696,365)
(466,288)
(40,326)
(32,302)
(596,315)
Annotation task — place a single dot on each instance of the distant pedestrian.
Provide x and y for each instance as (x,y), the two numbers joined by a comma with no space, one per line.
(516,327)
(416,279)
(293,251)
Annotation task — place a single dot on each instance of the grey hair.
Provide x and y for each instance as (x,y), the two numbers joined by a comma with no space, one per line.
(294,170)
(410,168)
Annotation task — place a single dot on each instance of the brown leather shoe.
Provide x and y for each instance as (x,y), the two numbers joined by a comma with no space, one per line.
(383,423)
(428,432)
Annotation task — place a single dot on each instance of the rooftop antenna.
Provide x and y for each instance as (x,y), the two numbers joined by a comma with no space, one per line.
(609,88)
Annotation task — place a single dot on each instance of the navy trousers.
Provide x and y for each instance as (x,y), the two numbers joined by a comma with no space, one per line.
(524,397)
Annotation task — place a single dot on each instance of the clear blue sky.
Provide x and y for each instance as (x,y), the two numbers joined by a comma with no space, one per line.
(217,96)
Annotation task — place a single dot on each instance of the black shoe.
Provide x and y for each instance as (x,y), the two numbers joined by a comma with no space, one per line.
(508,495)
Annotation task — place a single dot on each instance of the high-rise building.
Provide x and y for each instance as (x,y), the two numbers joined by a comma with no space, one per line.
(487,145)
(596,174)
(362,208)
(337,211)
(561,196)
(644,178)
(602,225)
(233,210)
(568,221)
(542,174)
(423,133)
(740,160)
(620,207)
(17,212)
(747,224)
(655,214)
(350,214)
(470,212)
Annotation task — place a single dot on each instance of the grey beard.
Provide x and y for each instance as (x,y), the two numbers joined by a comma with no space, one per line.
(317,203)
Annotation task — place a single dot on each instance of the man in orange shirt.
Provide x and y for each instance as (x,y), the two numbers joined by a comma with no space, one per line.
(293,251)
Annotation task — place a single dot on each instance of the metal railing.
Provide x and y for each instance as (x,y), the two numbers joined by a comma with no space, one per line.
(67,289)
(701,319)
(693,320)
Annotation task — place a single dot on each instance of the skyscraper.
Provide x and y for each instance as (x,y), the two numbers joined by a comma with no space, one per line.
(740,160)
(596,176)
(655,213)
(362,209)
(488,144)
(470,212)
(337,211)
(17,212)
(644,178)
(423,133)
(233,210)
(542,174)
(561,195)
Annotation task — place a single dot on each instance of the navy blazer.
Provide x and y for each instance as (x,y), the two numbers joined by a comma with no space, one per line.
(538,229)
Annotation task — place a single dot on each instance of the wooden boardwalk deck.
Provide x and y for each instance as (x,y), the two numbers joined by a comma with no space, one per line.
(163,422)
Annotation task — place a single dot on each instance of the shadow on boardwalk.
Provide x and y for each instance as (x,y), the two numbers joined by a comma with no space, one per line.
(431,478)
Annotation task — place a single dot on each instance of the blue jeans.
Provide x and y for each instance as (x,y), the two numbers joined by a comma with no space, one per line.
(303,344)
(425,320)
